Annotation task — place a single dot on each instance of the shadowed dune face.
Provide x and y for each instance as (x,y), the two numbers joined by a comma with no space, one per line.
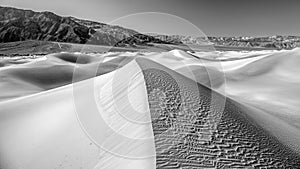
(191,131)
(79,59)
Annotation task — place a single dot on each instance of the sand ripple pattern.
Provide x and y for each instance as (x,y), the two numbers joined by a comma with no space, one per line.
(187,134)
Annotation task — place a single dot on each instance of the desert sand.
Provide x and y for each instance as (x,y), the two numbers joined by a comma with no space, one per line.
(47,129)
(38,114)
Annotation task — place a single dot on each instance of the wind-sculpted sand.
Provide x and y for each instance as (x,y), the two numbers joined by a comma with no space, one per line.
(249,120)
(193,130)
(53,71)
(77,126)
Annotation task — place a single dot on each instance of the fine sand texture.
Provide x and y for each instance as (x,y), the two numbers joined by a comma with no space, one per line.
(79,126)
(73,110)
(266,81)
(192,129)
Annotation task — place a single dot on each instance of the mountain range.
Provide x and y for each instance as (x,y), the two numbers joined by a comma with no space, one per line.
(23,25)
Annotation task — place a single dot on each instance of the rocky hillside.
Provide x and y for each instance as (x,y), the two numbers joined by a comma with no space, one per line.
(20,25)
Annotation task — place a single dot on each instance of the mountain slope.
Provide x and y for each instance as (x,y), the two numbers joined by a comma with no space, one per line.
(20,25)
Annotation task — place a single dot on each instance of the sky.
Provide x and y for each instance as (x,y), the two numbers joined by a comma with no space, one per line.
(186,17)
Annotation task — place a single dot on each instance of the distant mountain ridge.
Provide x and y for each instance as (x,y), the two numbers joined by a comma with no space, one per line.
(277,42)
(22,25)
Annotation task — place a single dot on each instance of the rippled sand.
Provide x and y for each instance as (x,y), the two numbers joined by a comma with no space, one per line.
(255,125)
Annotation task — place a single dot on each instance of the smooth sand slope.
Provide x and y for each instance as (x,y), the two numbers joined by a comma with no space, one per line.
(270,83)
(48,130)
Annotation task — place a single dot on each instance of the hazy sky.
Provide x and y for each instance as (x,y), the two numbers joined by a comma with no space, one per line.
(213,17)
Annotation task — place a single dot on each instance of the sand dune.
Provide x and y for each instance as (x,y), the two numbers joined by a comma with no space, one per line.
(43,130)
(257,126)
(265,80)
(194,129)
(270,83)
(51,71)
(54,71)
